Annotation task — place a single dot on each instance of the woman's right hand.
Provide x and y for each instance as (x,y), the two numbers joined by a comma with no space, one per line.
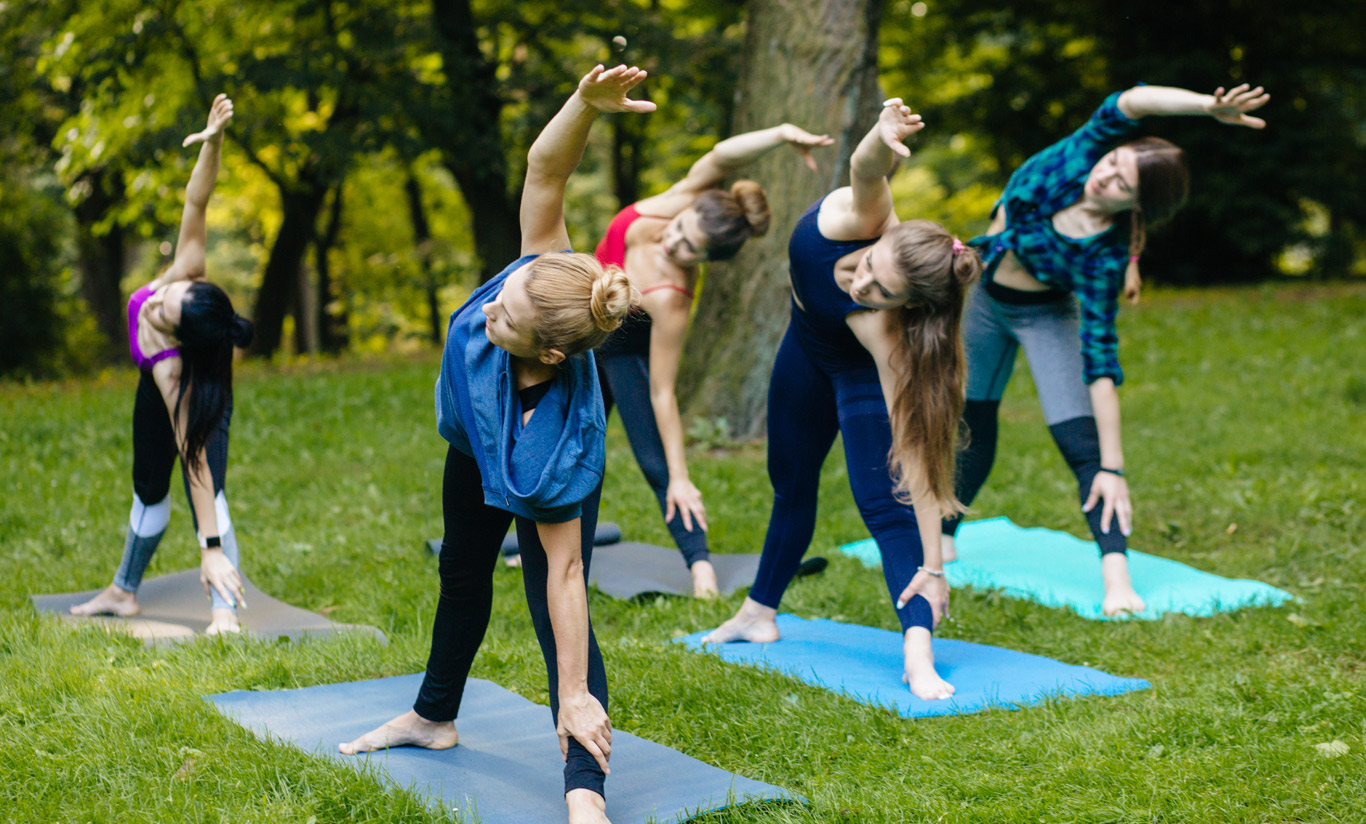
(1231,107)
(684,499)
(896,123)
(583,718)
(803,142)
(605,89)
(215,570)
(219,115)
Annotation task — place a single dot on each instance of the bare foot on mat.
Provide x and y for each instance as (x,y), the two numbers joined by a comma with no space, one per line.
(1120,597)
(112,601)
(224,620)
(919,673)
(754,622)
(408,730)
(704,580)
(586,807)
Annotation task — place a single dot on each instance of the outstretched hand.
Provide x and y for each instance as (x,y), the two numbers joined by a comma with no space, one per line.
(605,89)
(896,123)
(803,142)
(1231,107)
(219,115)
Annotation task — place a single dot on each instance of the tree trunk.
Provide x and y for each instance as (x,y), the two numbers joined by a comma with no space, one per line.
(280,282)
(103,259)
(476,159)
(332,331)
(628,145)
(422,238)
(812,63)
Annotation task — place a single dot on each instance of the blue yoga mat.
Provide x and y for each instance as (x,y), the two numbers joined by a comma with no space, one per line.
(865,664)
(1058,570)
(507,767)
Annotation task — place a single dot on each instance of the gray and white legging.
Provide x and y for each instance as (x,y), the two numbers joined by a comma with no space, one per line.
(154,457)
(999,321)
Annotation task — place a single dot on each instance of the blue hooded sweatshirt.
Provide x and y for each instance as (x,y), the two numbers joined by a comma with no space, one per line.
(542,471)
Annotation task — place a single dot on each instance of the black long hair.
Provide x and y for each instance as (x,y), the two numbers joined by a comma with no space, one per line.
(208,330)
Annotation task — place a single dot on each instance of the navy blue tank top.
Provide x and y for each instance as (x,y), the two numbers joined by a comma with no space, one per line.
(821,325)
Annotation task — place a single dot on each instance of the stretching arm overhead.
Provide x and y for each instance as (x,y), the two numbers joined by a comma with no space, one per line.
(559,147)
(864,210)
(193,240)
(1230,107)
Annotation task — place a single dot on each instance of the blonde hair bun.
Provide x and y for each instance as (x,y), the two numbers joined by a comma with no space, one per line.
(612,298)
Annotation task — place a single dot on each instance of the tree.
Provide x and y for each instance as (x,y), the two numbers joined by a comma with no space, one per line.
(812,63)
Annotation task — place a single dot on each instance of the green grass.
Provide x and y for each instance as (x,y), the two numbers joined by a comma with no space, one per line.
(1243,407)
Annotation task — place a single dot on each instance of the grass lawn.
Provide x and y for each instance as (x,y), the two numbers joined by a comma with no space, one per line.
(1242,407)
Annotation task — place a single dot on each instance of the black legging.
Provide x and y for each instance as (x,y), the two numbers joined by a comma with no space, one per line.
(155,450)
(469,554)
(625,380)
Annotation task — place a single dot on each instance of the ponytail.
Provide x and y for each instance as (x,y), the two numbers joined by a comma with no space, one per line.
(929,361)
(208,330)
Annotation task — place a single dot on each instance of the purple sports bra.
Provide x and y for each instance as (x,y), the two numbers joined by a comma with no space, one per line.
(143,362)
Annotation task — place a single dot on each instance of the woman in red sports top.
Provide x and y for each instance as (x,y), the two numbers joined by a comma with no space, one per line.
(660,241)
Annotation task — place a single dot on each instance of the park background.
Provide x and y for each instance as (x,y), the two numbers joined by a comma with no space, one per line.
(370,180)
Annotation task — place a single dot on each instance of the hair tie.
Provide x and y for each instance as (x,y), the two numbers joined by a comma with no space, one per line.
(958,246)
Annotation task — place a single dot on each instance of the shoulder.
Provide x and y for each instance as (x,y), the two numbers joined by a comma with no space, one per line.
(838,220)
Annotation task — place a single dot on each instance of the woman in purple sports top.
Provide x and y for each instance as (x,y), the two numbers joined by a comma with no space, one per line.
(181,333)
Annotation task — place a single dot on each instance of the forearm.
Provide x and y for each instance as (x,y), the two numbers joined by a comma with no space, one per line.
(742,149)
(1142,101)
(928,521)
(873,159)
(559,147)
(205,173)
(670,423)
(202,498)
(1105,406)
(567,600)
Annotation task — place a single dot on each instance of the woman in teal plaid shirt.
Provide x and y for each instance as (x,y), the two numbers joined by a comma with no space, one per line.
(1063,245)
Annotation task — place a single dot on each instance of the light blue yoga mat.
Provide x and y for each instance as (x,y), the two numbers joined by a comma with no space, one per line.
(507,768)
(1058,570)
(865,664)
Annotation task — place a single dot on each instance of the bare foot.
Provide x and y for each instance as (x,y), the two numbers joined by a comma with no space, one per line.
(224,620)
(512,560)
(586,807)
(948,551)
(919,673)
(1120,597)
(704,580)
(112,601)
(754,622)
(408,730)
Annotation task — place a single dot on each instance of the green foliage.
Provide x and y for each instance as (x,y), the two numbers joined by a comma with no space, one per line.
(335,481)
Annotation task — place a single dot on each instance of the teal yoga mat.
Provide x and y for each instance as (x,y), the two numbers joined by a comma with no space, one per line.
(1058,570)
(507,767)
(865,664)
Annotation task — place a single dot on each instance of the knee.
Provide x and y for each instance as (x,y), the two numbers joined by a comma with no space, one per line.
(146,519)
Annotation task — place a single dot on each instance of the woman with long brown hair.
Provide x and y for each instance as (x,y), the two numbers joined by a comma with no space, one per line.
(1063,245)
(873,353)
(660,242)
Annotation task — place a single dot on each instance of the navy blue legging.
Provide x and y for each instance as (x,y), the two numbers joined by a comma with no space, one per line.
(807,406)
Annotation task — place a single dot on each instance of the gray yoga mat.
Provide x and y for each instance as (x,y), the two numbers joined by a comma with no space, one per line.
(605,533)
(507,767)
(175,608)
(629,569)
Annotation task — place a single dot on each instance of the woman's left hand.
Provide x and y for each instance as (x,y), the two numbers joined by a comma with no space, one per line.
(1133,284)
(219,115)
(933,588)
(803,142)
(1114,491)
(1231,107)
(684,499)
(605,89)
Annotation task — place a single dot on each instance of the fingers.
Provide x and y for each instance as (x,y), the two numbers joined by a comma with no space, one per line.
(808,159)
(225,593)
(686,512)
(1107,514)
(197,137)
(670,509)
(700,513)
(564,734)
(1092,498)
(1125,511)
(640,106)
(905,597)
(1252,122)
(595,750)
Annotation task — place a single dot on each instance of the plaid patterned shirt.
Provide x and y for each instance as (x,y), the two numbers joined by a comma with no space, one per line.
(1093,267)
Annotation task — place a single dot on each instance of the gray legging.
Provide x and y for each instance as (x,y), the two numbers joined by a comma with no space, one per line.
(999,321)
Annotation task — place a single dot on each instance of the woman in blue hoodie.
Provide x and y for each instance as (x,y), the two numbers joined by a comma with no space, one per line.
(519,401)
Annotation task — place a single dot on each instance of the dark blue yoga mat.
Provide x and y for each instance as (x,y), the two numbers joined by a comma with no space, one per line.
(865,664)
(1058,570)
(507,767)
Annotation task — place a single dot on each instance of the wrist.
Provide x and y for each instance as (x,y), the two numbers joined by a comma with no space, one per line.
(937,573)
(1113,470)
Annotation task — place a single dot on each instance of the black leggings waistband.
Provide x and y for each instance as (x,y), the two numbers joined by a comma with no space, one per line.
(1020,297)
